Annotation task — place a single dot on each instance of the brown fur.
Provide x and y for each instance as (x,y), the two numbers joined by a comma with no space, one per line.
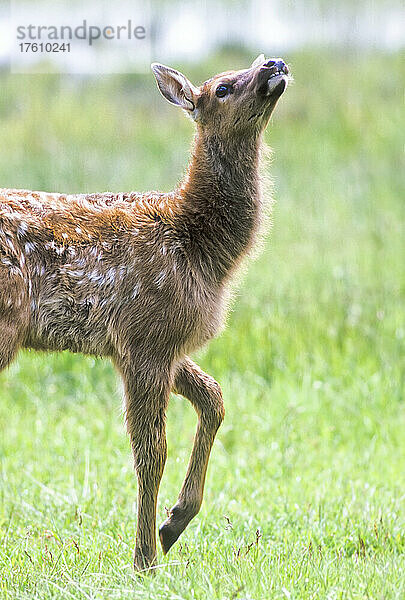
(142,278)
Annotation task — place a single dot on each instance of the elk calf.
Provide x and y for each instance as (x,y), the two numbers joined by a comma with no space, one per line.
(142,278)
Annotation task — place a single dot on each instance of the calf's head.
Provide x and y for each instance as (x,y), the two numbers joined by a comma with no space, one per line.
(229,104)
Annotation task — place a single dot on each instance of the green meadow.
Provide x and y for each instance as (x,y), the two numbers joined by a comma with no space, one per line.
(305,492)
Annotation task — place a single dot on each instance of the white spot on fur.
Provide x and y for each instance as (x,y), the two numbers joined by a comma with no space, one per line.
(38,270)
(110,275)
(10,244)
(160,278)
(22,229)
(96,277)
(29,247)
(96,253)
(52,246)
(135,291)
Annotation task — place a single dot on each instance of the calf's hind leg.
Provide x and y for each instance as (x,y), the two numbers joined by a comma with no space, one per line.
(9,343)
(13,321)
(205,395)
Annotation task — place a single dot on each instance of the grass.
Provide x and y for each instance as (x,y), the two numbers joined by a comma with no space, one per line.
(305,490)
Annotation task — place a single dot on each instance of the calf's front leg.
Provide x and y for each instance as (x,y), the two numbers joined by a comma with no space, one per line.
(146,397)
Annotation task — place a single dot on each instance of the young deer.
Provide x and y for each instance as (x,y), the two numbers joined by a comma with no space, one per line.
(142,278)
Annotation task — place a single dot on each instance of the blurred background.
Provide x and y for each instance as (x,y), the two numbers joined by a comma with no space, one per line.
(312,362)
(178,30)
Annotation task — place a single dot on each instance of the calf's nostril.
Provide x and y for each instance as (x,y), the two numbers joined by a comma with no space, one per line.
(281,66)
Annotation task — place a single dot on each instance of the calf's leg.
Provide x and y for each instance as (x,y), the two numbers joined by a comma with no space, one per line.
(205,395)
(9,342)
(146,396)
(13,319)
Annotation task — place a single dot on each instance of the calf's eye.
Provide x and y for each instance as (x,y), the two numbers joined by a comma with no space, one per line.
(222,90)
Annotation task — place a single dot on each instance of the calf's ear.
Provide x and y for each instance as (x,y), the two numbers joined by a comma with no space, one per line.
(258,61)
(175,87)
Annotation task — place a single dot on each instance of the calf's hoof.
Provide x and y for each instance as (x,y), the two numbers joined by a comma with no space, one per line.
(168,535)
(144,562)
(175,524)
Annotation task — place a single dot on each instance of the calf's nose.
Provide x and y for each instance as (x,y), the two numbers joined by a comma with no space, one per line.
(278,63)
(281,66)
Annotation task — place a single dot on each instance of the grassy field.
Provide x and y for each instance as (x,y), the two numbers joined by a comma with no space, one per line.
(305,491)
